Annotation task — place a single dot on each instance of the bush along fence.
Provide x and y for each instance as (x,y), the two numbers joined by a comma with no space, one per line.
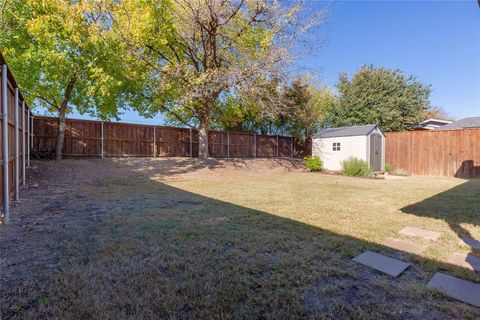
(15,139)
(454,153)
(111,139)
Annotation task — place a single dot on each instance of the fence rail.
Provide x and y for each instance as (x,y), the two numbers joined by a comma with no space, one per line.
(111,139)
(444,153)
(14,138)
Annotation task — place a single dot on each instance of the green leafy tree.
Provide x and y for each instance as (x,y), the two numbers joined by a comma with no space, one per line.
(378,95)
(197,51)
(64,59)
(231,114)
(307,106)
(303,112)
(237,115)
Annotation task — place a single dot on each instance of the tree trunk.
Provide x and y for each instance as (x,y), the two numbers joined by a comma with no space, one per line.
(203,138)
(61,134)
(62,111)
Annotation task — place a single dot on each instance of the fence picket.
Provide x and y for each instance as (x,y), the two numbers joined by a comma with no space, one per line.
(12,155)
(123,139)
(451,153)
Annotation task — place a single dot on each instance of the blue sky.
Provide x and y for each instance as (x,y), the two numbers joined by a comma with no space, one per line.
(438,41)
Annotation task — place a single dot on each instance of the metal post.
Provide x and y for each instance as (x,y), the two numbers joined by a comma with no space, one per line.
(102,139)
(278,147)
(31,131)
(228,144)
(15,146)
(255,145)
(28,139)
(6,207)
(191,144)
(23,143)
(154,141)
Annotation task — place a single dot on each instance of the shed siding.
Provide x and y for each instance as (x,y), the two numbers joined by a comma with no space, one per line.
(354,146)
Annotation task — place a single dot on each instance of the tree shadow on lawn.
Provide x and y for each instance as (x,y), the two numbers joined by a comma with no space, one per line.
(459,207)
(176,166)
(163,252)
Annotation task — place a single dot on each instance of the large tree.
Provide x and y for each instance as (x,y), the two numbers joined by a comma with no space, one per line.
(437,113)
(64,59)
(379,95)
(304,109)
(200,50)
(307,106)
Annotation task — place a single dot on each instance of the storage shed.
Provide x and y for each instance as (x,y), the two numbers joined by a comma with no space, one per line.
(333,145)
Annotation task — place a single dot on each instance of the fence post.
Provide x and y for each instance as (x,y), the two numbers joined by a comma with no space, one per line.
(255,145)
(278,147)
(191,144)
(102,139)
(23,143)
(293,147)
(15,146)
(28,138)
(228,144)
(154,141)
(6,207)
(31,133)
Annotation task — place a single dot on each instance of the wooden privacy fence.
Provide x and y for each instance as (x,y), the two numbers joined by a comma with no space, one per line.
(15,142)
(443,152)
(112,139)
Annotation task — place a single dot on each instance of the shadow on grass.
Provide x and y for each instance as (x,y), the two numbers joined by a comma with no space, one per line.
(176,166)
(158,251)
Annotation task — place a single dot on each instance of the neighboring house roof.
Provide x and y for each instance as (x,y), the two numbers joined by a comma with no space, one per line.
(472,122)
(345,131)
(431,124)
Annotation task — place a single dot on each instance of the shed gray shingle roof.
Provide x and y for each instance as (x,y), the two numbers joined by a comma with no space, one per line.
(472,122)
(345,131)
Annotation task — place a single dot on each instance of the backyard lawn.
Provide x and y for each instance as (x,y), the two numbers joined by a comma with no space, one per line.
(179,238)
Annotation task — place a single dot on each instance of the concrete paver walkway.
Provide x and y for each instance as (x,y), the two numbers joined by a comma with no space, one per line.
(404,245)
(417,232)
(466,260)
(462,290)
(382,263)
(470,242)
(456,288)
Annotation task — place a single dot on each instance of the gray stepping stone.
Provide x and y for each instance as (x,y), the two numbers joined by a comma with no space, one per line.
(382,263)
(466,260)
(404,245)
(416,232)
(470,242)
(463,290)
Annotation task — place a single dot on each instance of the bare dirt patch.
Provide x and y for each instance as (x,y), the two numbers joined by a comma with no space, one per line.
(52,211)
(179,168)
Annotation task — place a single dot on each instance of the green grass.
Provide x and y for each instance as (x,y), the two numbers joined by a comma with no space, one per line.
(261,244)
(363,209)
